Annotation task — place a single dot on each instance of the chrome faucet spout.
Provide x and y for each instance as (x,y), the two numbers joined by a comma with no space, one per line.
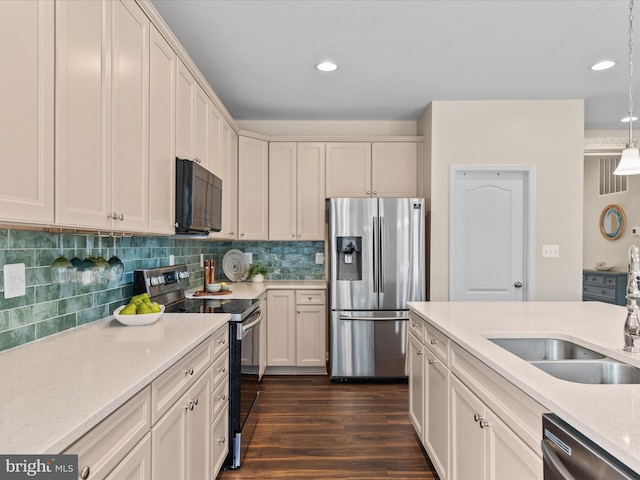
(632,324)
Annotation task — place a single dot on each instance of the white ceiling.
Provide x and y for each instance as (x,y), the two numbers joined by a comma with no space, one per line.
(395,57)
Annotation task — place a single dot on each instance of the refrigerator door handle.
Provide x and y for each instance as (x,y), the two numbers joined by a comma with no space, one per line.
(368,319)
(376,247)
(380,254)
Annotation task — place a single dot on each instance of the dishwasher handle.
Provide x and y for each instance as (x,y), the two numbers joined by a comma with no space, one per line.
(552,460)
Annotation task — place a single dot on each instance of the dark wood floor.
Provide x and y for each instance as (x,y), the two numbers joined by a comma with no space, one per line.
(310,428)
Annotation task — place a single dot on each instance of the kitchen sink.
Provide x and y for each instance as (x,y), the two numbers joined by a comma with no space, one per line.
(591,371)
(569,361)
(532,349)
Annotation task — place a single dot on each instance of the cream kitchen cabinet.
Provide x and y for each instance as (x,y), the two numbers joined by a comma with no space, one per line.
(263,335)
(102,116)
(372,169)
(136,465)
(296,328)
(106,447)
(181,440)
(229,175)
(253,189)
(296,190)
(162,148)
(482,446)
(27,113)
(415,371)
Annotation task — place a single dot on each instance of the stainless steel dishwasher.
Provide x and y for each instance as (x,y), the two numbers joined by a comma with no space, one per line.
(569,455)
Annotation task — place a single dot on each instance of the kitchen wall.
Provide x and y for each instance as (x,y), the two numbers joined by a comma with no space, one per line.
(50,308)
(547,134)
(597,248)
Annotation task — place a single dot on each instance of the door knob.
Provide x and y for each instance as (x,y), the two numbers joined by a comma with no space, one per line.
(518,284)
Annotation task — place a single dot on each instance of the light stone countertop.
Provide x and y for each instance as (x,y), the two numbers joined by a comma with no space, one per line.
(249,290)
(607,414)
(56,389)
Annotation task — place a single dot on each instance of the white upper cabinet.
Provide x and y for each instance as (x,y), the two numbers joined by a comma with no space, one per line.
(296,190)
(201,132)
(229,174)
(162,147)
(102,117)
(394,169)
(185,112)
(253,189)
(215,140)
(27,115)
(378,169)
(348,169)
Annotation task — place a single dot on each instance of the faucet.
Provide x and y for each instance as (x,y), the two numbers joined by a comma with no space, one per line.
(632,325)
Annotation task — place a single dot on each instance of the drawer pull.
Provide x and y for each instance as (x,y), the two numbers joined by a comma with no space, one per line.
(484,423)
(434,341)
(188,371)
(222,440)
(419,352)
(195,402)
(432,361)
(85,473)
(222,397)
(476,417)
(222,341)
(222,370)
(189,406)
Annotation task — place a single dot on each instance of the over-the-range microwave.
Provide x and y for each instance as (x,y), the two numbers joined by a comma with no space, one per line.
(198,199)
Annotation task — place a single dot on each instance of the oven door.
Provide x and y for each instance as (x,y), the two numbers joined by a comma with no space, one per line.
(249,363)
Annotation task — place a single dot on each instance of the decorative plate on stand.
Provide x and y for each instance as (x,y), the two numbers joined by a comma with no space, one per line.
(235,265)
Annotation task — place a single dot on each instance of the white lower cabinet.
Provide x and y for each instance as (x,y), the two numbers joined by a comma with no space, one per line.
(474,424)
(482,446)
(136,465)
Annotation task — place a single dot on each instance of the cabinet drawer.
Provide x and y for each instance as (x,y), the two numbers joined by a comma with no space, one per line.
(416,326)
(311,297)
(601,291)
(219,398)
(609,280)
(437,342)
(109,442)
(594,278)
(220,340)
(172,384)
(220,440)
(220,370)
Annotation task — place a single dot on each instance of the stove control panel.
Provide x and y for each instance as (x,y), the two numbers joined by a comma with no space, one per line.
(161,281)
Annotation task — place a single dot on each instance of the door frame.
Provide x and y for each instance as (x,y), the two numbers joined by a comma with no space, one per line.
(529,174)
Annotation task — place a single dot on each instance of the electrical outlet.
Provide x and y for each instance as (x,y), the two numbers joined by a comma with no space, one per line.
(14,280)
(319,258)
(202,260)
(172,260)
(249,257)
(551,251)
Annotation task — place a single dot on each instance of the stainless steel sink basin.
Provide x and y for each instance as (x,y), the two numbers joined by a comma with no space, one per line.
(591,371)
(532,349)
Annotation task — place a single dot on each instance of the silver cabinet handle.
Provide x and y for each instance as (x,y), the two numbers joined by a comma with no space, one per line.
(189,406)
(309,297)
(242,234)
(188,371)
(434,342)
(195,402)
(121,217)
(222,341)
(375,192)
(368,192)
(476,417)
(293,235)
(85,473)
(484,423)
(299,235)
(222,370)
(432,361)
(419,352)
(222,440)
(222,397)
(518,284)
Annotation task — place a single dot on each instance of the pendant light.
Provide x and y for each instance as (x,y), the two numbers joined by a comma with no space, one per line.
(630,160)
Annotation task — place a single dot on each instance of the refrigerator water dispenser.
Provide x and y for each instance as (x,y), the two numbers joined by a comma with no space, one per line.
(349,258)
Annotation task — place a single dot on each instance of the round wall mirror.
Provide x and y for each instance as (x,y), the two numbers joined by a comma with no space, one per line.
(612,222)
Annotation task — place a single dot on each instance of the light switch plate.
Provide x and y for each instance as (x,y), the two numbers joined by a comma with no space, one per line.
(249,257)
(551,250)
(14,280)
(319,258)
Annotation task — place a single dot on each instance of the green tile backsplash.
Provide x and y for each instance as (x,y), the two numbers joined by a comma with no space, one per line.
(49,308)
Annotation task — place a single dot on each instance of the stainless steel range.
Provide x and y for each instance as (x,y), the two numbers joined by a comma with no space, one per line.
(166,285)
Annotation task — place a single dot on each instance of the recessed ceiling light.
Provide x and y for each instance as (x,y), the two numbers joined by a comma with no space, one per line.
(327,66)
(626,119)
(603,65)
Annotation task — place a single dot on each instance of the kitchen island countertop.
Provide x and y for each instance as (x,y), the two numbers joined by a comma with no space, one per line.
(249,290)
(607,414)
(56,389)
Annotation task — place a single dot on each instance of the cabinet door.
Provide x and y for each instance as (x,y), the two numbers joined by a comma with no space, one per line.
(468,444)
(281,329)
(83,123)
(310,191)
(185,113)
(201,131)
(136,465)
(282,190)
(415,367)
(394,169)
(263,335)
(253,189)
(199,427)
(215,140)
(130,117)
(311,335)
(436,426)
(162,148)
(168,444)
(509,457)
(229,176)
(27,114)
(348,171)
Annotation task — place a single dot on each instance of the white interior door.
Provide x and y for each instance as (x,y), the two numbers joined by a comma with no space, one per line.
(489,226)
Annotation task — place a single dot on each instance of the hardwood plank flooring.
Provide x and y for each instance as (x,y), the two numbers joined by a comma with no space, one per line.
(311,428)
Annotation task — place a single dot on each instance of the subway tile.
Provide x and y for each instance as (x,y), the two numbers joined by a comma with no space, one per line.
(18,336)
(32,239)
(4,238)
(26,256)
(93,314)
(75,304)
(55,325)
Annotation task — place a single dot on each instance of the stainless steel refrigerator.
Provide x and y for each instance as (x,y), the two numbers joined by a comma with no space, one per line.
(377,265)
